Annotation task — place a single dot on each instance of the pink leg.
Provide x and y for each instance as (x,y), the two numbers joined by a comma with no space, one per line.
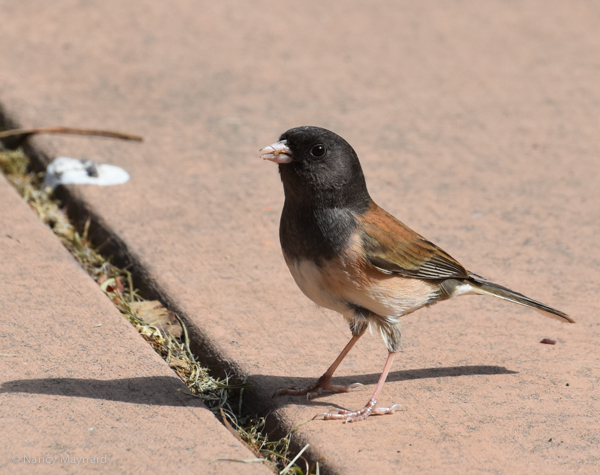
(323,384)
(355,416)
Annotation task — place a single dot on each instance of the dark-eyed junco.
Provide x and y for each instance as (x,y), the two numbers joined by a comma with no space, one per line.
(349,255)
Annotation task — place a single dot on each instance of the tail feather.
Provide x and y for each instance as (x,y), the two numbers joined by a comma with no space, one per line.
(481,286)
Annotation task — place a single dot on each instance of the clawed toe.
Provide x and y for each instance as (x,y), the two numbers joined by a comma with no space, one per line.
(360,415)
(380,411)
(316,390)
(287,392)
(334,389)
(313,394)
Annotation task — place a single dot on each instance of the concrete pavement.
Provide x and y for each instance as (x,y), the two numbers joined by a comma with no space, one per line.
(476,124)
(80,390)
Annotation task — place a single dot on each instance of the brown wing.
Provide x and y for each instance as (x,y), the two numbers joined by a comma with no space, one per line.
(394,248)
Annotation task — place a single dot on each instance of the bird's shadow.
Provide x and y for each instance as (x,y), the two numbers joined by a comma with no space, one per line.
(373,378)
(166,390)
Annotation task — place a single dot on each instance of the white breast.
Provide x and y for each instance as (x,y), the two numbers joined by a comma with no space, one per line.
(338,282)
(311,280)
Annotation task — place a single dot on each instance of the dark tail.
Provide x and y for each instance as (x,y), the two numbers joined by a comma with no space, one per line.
(483,287)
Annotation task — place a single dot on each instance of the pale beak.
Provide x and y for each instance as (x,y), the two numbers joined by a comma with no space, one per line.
(278,152)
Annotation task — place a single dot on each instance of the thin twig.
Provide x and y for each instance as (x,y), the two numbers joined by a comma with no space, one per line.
(70,131)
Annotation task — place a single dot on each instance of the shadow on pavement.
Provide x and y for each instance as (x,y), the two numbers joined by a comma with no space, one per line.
(154,391)
(401,375)
(371,379)
(165,391)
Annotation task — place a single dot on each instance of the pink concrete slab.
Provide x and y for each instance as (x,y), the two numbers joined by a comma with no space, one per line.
(476,123)
(80,390)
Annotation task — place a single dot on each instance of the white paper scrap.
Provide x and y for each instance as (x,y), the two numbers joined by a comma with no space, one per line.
(71,171)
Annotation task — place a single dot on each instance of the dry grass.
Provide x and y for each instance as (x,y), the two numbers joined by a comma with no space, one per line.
(221,396)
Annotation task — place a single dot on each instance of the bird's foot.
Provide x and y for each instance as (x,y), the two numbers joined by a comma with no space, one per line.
(317,389)
(361,414)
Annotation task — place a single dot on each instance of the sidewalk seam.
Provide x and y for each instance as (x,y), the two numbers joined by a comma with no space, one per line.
(145,287)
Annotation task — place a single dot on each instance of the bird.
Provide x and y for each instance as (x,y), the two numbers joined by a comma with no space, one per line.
(347,254)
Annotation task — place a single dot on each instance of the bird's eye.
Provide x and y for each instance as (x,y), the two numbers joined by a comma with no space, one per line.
(318,151)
